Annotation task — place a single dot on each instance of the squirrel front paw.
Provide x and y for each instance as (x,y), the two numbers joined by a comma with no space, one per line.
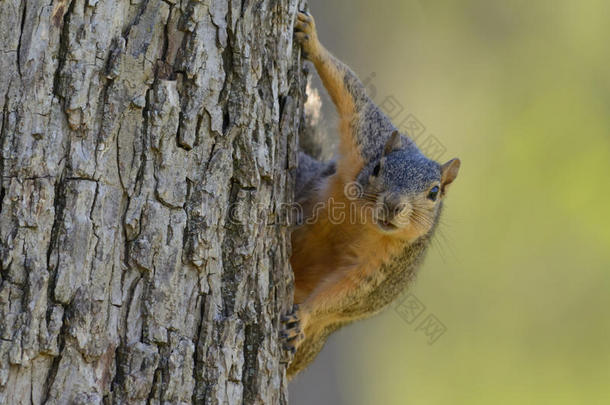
(291,334)
(305,33)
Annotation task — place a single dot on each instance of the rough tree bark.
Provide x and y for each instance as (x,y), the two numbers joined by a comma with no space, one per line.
(148,147)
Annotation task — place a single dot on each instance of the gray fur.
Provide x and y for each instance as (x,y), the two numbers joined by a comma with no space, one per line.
(370,126)
(405,172)
(309,173)
(408,169)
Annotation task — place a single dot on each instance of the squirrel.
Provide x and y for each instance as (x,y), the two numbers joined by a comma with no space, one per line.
(366,219)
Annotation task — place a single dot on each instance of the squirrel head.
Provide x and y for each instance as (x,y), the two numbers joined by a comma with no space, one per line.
(405,188)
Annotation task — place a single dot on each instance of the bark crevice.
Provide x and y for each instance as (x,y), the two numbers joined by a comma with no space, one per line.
(22,26)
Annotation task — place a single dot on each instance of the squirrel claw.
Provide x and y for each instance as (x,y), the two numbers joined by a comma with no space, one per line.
(291,317)
(304,15)
(300,26)
(290,349)
(291,334)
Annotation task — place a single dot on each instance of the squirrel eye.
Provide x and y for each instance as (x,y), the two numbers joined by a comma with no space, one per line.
(376,170)
(433,193)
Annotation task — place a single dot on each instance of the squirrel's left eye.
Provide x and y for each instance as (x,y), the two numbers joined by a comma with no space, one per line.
(433,194)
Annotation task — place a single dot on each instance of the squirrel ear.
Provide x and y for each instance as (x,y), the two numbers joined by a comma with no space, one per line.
(449,172)
(395,142)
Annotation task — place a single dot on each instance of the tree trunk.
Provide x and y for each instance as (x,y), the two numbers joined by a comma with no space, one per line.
(148,148)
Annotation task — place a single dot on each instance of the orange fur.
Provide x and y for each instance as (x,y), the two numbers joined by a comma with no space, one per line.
(331,257)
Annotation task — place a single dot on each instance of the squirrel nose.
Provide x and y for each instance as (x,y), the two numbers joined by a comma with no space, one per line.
(394,208)
(398,209)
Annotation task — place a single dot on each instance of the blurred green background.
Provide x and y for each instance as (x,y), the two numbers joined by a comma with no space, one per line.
(520,270)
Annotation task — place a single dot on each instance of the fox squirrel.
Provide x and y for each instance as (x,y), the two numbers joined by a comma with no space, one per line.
(367,219)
